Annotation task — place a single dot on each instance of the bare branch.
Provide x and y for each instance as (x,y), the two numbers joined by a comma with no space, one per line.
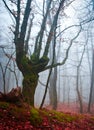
(41,83)
(8,55)
(9,9)
(39,38)
(49,71)
(67,29)
(52,28)
(28,35)
(14,72)
(67,52)
(25,20)
(17,22)
(44,96)
(43,7)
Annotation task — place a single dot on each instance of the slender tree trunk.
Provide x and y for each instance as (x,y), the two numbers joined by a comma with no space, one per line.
(68,91)
(92,84)
(53,89)
(78,92)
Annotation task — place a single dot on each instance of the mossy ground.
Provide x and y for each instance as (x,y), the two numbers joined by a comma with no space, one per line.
(26,117)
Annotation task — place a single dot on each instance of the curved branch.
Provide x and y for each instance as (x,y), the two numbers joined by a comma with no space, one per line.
(67,53)
(67,29)
(41,83)
(9,9)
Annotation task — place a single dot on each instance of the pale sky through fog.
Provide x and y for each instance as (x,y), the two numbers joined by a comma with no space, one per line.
(71,18)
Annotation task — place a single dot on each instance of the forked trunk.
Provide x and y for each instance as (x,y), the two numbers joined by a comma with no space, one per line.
(30,69)
(29,86)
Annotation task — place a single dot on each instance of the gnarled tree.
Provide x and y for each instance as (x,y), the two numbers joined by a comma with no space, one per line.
(36,63)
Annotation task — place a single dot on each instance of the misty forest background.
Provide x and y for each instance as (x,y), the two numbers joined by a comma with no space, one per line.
(69,83)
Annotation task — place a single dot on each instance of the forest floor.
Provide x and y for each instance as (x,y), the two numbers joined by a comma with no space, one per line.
(16,117)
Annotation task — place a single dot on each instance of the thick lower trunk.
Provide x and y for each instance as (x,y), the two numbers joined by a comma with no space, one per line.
(29,87)
(30,69)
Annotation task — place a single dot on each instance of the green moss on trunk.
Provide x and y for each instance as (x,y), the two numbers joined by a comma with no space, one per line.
(30,69)
(29,86)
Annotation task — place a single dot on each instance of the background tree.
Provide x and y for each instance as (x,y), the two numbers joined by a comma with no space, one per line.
(53,77)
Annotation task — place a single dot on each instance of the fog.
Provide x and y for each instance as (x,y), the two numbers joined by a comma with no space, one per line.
(79,57)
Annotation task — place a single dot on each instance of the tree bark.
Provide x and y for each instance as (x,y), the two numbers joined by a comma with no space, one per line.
(53,90)
(78,92)
(30,79)
(29,86)
(92,84)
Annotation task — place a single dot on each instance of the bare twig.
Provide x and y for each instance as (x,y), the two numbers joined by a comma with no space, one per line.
(9,9)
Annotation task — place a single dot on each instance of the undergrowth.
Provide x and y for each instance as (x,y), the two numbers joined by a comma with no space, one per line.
(29,118)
